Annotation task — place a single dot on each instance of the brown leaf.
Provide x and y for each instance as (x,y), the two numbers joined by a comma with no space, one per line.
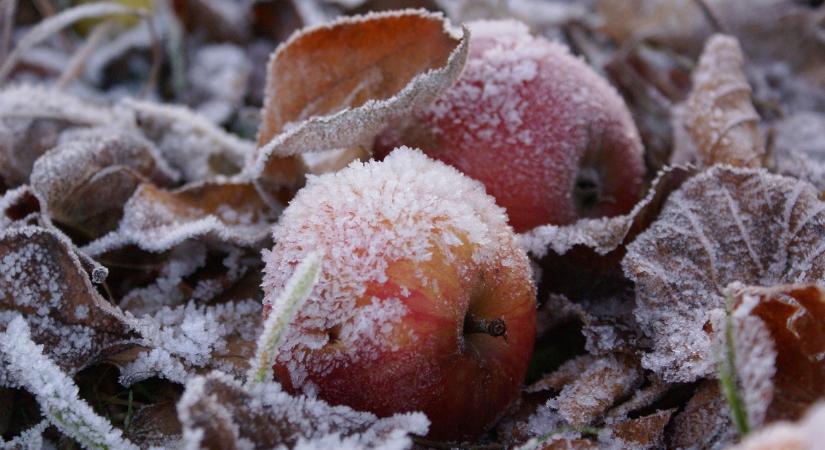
(724,225)
(719,115)
(597,388)
(43,279)
(705,422)
(337,86)
(642,432)
(786,381)
(217,412)
(157,220)
(31,120)
(90,174)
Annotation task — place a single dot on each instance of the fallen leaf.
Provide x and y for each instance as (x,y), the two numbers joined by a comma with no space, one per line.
(217,412)
(724,225)
(782,381)
(338,85)
(719,115)
(43,279)
(156,220)
(90,174)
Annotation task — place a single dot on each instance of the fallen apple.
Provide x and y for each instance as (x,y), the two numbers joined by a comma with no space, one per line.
(425,302)
(548,137)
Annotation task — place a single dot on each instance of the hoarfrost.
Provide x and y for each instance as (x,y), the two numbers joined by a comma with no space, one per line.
(362,218)
(194,145)
(42,278)
(55,391)
(360,91)
(215,211)
(91,173)
(722,226)
(218,411)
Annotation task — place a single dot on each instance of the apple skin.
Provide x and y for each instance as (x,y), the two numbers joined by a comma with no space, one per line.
(548,137)
(427,359)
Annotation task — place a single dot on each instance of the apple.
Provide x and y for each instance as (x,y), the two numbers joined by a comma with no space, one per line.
(548,137)
(425,302)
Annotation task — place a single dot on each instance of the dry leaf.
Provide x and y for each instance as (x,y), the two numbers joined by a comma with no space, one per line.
(338,85)
(642,432)
(597,388)
(42,278)
(724,225)
(217,412)
(782,374)
(156,220)
(87,178)
(705,422)
(719,115)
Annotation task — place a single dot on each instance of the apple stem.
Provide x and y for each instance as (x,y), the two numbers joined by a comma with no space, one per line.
(492,327)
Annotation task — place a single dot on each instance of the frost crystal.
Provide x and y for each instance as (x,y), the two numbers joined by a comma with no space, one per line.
(361,219)
(55,392)
(723,226)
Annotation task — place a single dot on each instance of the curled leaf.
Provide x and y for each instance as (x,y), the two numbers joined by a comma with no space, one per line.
(338,85)
(43,279)
(780,369)
(724,225)
(719,115)
(87,178)
(156,220)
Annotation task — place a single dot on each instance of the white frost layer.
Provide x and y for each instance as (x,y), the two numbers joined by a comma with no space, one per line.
(361,219)
(55,392)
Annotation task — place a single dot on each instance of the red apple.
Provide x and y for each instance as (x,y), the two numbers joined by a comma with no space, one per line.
(425,302)
(549,138)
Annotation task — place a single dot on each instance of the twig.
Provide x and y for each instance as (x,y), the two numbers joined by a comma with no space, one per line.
(82,55)
(54,24)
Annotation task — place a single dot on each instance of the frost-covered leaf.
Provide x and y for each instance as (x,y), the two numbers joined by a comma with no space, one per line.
(31,120)
(704,423)
(20,207)
(179,342)
(156,220)
(594,386)
(43,279)
(724,225)
(217,412)
(56,393)
(779,357)
(338,85)
(805,434)
(191,143)
(91,173)
(582,262)
(719,115)
(30,439)
(604,235)
(642,432)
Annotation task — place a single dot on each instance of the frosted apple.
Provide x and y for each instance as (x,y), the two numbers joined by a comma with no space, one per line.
(549,138)
(425,302)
